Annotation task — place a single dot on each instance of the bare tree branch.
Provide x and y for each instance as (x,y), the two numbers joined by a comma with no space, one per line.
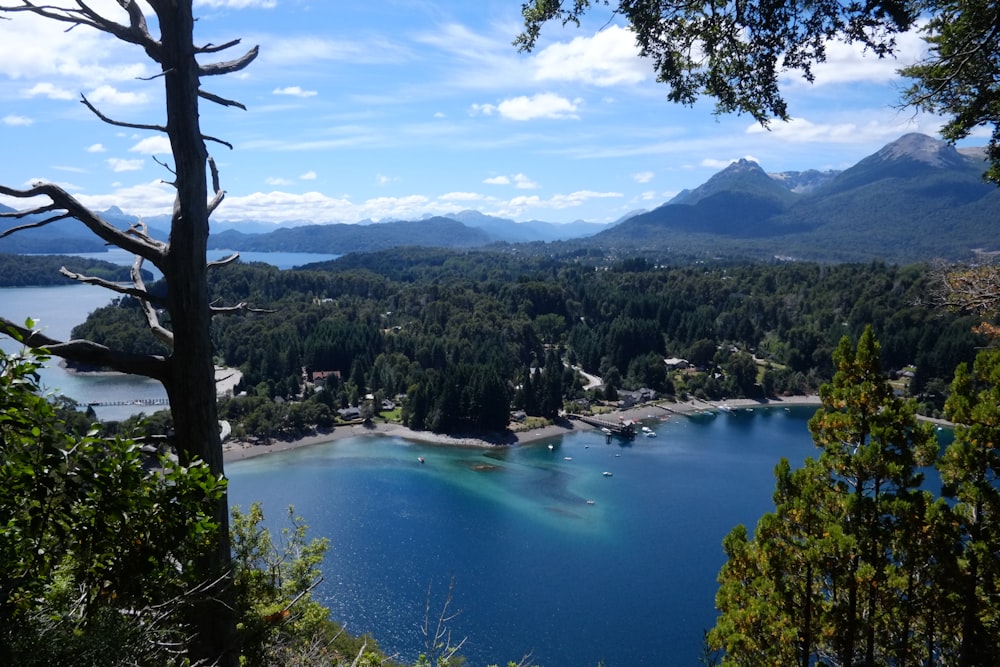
(136,32)
(229,310)
(30,225)
(152,318)
(142,295)
(120,123)
(93,354)
(63,200)
(216,48)
(230,66)
(225,260)
(220,194)
(221,101)
(217,140)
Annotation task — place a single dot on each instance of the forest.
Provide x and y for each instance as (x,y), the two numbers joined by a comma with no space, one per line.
(460,339)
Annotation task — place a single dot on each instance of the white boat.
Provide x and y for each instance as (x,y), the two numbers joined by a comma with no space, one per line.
(567,458)
(606,430)
(551,447)
(607,474)
(590,502)
(650,434)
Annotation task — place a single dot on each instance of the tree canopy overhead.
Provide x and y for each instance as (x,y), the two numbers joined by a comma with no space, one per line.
(736,52)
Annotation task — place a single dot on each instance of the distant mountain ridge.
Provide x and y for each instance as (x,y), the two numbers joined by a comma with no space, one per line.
(915,199)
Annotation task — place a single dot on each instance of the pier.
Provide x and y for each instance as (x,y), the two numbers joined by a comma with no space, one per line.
(135,401)
(621,427)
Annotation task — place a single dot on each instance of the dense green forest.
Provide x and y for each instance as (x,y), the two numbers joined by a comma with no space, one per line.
(461,338)
(43,270)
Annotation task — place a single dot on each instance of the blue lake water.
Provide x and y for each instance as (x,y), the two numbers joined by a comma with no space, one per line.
(629,579)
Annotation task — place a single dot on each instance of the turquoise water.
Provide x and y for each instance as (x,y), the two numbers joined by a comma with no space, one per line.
(629,579)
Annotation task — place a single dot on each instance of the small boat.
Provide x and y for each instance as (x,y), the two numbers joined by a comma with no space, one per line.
(590,502)
(650,434)
(605,430)
(607,474)
(567,458)
(551,447)
(645,429)
(420,458)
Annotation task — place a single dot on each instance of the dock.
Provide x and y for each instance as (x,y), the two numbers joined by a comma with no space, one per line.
(621,427)
(134,401)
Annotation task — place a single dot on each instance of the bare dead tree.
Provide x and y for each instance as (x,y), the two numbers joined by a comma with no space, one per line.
(970,288)
(187,372)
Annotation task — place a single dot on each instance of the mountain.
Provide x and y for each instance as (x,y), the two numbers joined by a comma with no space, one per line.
(509,231)
(343,238)
(61,236)
(741,201)
(913,200)
(802,182)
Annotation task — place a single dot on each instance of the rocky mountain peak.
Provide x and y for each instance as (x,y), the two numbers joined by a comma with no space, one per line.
(921,148)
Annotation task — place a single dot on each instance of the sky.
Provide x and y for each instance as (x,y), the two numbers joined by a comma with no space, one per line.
(397,109)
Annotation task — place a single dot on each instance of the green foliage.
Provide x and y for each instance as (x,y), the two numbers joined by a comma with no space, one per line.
(736,52)
(958,78)
(279,621)
(458,333)
(99,550)
(41,270)
(858,564)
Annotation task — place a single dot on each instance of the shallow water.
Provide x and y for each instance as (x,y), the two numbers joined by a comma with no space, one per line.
(629,579)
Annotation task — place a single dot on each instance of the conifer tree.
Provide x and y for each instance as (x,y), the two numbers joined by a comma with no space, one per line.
(821,580)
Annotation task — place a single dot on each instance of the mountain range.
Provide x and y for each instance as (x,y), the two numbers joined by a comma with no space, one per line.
(915,199)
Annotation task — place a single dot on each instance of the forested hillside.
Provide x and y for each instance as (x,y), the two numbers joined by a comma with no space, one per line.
(466,337)
(40,270)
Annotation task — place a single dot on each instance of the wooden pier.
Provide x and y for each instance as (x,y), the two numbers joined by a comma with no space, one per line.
(621,427)
(136,401)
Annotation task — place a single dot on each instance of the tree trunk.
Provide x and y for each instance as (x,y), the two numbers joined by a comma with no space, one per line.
(191,384)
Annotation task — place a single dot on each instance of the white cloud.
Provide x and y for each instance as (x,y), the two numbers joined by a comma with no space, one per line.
(643,177)
(155,145)
(146,199)
(307,49)
(294,91)
(118,164)
(308,176)
(800,130)
(96,148)
(272,180)
(50,91)
(522,182)
(17,121)
(109,95)
(482,109)
(517,205)
(849,63)
(609,58)
(382,179)
(541,105)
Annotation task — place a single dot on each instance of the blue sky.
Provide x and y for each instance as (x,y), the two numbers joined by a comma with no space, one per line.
(392,109)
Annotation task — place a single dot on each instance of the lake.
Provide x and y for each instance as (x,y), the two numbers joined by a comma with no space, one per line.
(629,579)
(58,309)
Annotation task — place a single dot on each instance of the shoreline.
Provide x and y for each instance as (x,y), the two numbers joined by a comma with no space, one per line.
(241,451)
